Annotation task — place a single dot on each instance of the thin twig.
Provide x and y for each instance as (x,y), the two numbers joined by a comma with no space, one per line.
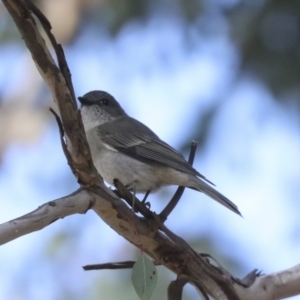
(175,199)
(62,140)
(124,193)
(113,266)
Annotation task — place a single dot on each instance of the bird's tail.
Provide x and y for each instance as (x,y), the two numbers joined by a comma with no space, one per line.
(203,187)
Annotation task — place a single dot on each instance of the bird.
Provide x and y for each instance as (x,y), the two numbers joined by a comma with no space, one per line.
(125,149)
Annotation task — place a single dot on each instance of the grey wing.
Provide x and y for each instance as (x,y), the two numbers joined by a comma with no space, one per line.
(143,144)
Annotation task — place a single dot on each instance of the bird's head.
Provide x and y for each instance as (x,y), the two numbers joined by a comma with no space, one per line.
(99,107)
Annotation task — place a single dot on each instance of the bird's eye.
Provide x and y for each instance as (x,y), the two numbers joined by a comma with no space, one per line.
(104,101)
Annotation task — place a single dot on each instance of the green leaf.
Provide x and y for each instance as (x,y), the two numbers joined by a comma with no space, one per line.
(144,277)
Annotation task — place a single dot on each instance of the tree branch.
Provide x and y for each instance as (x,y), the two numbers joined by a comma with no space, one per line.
(54,78)
(175,288)
(76,203)
(274,286)
(163,246)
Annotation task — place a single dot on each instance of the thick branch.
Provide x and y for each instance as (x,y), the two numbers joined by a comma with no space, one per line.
(274,286)
(76,203)
(76,140)
(178,257)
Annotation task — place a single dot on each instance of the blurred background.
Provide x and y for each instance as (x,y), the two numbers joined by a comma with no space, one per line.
(223,72)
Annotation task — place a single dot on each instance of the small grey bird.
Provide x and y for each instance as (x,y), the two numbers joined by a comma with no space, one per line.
(125,149)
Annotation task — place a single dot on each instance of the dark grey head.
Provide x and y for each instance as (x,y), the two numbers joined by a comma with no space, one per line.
(99,107)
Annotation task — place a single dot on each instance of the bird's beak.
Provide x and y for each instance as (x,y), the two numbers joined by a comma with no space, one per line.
(83,101)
